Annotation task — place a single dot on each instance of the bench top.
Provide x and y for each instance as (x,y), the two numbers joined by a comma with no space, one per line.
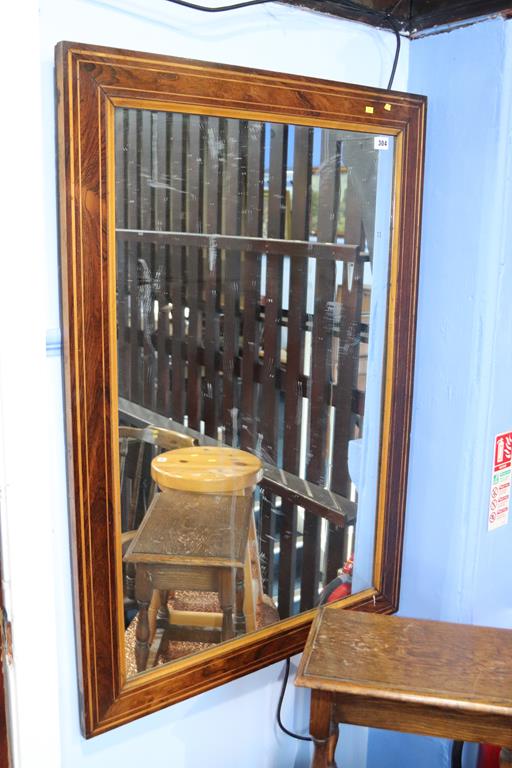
(387,658)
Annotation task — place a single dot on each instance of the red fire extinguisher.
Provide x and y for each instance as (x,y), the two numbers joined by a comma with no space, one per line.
(339,587)
(488,756)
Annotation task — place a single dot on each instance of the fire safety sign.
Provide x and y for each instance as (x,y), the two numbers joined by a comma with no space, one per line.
(499,500)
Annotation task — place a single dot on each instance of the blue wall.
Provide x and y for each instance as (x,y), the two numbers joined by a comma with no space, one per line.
(453,568)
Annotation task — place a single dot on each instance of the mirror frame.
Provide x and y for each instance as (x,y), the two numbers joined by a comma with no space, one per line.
(91,83)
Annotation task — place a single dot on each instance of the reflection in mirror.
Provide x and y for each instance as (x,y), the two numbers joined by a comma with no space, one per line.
(252,268)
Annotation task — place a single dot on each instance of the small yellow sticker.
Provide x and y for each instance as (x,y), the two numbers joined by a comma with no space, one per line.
(368,110)
(387,107)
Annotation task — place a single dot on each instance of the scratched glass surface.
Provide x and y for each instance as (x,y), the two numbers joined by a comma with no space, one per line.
(252,264)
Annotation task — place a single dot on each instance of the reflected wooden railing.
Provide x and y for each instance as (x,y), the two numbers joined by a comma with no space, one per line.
(242,313)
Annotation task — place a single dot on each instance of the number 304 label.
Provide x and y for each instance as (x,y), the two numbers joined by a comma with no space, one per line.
(381,142)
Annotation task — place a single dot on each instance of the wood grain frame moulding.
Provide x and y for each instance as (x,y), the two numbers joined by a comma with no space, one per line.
(91,83)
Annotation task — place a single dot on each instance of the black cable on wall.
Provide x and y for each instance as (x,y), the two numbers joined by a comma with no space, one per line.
(385,17)
(298,736)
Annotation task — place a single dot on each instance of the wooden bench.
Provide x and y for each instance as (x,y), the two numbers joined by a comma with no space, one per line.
(426,677)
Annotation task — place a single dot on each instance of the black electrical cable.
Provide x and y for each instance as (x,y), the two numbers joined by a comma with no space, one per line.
(220,8)
(383,16)
(457,747)
(280,704)
(392,23)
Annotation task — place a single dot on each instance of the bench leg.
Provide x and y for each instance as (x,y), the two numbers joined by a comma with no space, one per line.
(323,731)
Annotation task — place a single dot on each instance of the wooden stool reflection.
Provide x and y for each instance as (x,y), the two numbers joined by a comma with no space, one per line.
(137,486)
(180,548)
(414,676)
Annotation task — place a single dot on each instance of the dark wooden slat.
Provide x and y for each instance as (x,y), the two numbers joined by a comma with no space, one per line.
(144,137)
(253,222)
(212,190)
(163,378)
(350,298)
(316,467)
(252,225)
(277,246)
(273,289)
(132,221)
(134,325)
(122,250)
(120,116)
(145,217)
(272,334)
(302,160)
(161,181)
(351,301)
(231,202)
(177,256)
(161,221)
(193,223)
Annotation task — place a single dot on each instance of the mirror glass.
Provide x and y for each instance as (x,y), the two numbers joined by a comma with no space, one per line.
(252,273)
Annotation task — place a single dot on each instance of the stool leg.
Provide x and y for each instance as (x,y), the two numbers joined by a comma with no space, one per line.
(129,581)
(322,732)
(249,597)
(143,592)
(240,628)
(159,622)
(226,601)
(163,610)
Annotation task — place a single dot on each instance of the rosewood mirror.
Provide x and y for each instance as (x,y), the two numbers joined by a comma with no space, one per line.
(239,260)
